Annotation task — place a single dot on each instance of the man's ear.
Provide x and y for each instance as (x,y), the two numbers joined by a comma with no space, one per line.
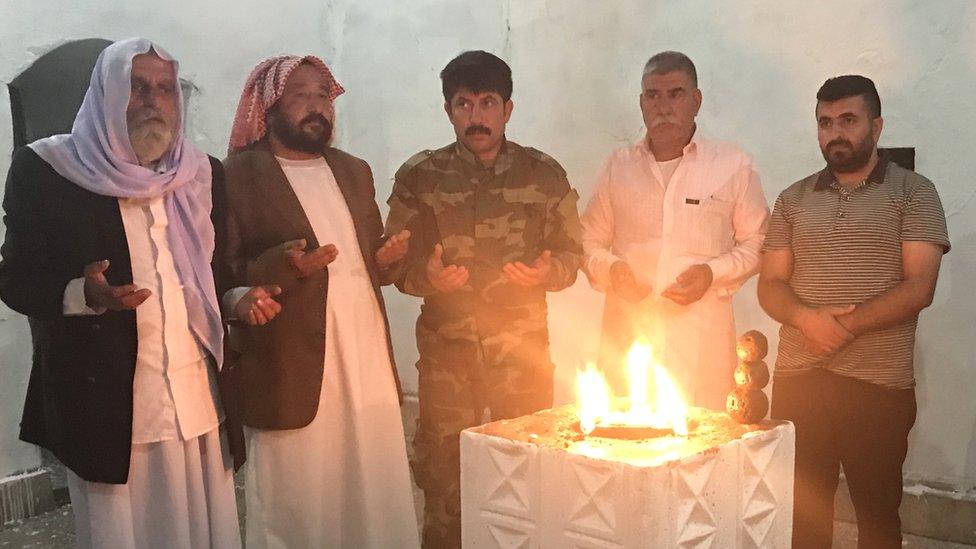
(509,107)
(876,126)
(447,109)
(698,100)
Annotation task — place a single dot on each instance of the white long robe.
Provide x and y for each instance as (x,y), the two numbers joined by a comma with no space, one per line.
(343,480)
(180,494)
(710,210)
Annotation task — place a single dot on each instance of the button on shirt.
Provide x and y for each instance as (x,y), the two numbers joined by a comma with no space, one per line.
(174,389)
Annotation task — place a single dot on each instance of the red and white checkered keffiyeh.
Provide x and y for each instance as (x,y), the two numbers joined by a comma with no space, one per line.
(263,88)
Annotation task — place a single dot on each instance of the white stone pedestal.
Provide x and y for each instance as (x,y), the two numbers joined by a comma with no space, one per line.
(521,494)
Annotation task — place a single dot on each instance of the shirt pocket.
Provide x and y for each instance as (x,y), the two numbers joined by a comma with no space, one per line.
(707,227)
(531,216)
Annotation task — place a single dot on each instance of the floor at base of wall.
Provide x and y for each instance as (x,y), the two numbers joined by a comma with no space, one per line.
(55,529)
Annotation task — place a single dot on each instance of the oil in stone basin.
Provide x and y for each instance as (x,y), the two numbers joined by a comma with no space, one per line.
(629,432)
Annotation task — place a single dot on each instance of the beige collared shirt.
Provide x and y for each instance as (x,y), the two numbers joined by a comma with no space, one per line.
(710,210)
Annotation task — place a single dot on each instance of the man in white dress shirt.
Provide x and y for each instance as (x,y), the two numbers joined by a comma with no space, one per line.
(110,237)
(673,230)
(318,393)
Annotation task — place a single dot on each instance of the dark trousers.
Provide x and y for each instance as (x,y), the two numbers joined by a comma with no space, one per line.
(841,420)
(455,389)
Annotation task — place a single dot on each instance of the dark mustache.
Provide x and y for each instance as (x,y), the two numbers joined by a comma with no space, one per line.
(840,141)
(315,117)
(477,128)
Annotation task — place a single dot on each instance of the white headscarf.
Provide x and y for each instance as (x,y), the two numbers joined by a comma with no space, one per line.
(98,157)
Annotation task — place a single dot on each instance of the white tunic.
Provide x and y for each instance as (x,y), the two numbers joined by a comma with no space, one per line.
(180,495)
(709,209)
(174,391)
(343,480)
(180,489)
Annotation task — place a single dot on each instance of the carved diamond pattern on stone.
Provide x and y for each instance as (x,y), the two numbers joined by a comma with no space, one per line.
(735,494)
(759,503)
(505,536)
(696,524)
(511,492)
(593,509)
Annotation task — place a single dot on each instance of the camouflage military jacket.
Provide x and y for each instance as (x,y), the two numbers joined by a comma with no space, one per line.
(485,218)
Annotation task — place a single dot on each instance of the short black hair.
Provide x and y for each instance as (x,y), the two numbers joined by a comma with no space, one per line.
(478,71)
(850,85)
(671,61)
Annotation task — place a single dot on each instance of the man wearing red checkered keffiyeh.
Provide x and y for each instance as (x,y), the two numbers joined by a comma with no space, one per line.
(315,385)
(263,88)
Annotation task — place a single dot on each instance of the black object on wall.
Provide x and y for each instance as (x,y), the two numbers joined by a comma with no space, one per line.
(45,98)
(903,156)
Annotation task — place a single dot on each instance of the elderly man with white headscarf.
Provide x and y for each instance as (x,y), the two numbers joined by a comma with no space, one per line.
(108,250)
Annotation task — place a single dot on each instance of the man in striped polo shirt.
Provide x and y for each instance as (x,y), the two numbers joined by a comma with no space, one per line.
(851,257)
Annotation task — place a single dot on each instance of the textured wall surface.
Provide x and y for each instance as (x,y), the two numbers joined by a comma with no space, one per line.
(576,67)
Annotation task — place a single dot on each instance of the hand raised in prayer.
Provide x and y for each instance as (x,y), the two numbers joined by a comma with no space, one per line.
(444,279)
(530,275)
(308,263)
(393,249)
(823,334)
(99,294)
(690,285)
(625,284)
(257,307)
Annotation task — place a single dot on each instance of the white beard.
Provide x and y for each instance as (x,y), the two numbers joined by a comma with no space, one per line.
(150,140)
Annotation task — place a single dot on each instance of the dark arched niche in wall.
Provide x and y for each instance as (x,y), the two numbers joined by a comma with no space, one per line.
(45,98)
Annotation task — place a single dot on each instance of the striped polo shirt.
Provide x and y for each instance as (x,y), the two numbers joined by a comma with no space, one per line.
(846,248)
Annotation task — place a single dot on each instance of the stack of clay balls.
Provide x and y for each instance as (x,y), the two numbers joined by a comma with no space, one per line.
(747,403)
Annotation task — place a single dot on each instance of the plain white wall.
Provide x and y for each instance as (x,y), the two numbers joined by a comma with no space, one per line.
(576,68)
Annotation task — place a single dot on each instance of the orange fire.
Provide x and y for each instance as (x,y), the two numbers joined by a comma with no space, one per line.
(597,406)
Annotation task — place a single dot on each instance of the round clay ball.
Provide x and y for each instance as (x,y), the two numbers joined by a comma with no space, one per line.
(752,346)
(751,375)
(747,405)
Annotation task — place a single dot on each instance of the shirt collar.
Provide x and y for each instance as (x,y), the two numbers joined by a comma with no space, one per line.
(466,155)
(501,163)
(877,175)
(643,148)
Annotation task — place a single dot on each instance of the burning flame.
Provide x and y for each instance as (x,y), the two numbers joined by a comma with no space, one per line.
(596,405)
(592,397)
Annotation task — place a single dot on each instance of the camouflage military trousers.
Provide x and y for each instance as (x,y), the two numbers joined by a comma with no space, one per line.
(458,389)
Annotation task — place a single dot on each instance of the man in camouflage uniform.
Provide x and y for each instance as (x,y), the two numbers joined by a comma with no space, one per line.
(494,228)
